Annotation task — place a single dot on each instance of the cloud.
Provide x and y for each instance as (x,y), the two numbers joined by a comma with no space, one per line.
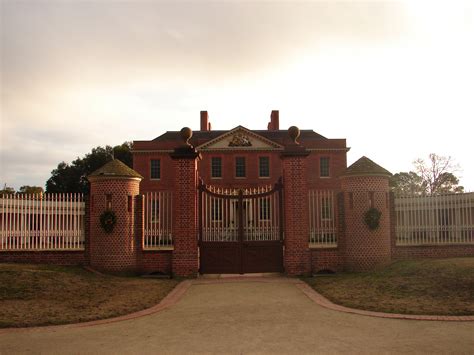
(57,42)
(77,74)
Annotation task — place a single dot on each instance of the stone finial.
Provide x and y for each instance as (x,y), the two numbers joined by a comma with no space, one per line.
(294,133)
(186,134)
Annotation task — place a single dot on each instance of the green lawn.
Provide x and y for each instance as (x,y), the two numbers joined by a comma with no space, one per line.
(430,287)
(32,295)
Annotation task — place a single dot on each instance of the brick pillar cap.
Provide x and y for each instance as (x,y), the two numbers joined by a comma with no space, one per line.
(114,169)
(187,152)
(365,167)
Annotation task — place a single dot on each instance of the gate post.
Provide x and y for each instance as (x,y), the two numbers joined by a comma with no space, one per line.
(185,213)
(295,204)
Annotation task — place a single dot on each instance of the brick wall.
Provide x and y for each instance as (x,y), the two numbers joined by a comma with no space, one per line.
(56,257)
(156,261)
(296,214)
(116,251)
(331,259)
(141,163)
(366,249)
(337,165)
(185,214)
(251,179)
(432,251)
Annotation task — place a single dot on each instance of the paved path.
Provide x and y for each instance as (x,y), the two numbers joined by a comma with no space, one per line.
(247,316)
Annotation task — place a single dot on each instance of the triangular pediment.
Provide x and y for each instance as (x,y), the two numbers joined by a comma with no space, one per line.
(240,138)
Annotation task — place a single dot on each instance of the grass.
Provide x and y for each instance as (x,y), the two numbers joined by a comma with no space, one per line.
(428,287)
(34,295)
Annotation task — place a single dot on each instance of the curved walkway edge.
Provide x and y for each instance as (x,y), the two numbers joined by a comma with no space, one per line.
(324,302)
(178,292)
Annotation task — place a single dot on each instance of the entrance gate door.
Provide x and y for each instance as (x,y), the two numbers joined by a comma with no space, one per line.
(240,230)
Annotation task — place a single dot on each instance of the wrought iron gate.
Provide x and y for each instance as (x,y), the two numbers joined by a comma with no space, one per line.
(240,230)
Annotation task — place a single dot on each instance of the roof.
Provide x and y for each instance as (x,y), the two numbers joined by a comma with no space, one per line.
(365,166)
(115,168)
(280,138)
(203,136)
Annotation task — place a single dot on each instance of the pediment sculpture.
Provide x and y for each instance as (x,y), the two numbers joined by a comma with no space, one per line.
(240,140)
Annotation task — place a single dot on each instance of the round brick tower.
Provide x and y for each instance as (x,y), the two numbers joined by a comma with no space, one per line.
(113,188)
(365,187)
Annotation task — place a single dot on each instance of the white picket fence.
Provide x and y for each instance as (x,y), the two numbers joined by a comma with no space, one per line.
(158,220)
(322,218)
(42,222)
(438,219)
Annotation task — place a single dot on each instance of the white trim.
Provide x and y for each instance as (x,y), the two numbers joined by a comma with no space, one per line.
(319,246)
(328,149)
(152,151)
(233,131)
(112,177)
(158,248)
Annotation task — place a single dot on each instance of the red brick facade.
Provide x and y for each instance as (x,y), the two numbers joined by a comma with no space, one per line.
(181,166)
(266,143)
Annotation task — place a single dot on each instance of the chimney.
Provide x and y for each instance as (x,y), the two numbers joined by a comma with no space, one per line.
(205,124)
(274,124)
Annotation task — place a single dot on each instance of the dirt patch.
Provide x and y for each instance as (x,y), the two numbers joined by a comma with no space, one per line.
(431,287)
(32,295)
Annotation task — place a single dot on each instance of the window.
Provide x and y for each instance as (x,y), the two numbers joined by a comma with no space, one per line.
(326,208)
(216,167)
(155,169)
(240,167)
(264,166)
(324,167)
(264,208)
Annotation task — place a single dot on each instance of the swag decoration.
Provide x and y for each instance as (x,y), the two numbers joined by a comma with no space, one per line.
(108,221)
(372,218)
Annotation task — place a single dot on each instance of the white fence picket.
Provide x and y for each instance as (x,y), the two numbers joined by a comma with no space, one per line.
(322,218)
(158,220)
(42,222)
(437,219)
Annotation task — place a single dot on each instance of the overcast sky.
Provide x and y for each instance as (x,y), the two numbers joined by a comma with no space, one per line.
(396,79)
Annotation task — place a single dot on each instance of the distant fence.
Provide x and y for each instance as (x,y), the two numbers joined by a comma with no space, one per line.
(158,220)
(322,218)
(42,222)
(438,219)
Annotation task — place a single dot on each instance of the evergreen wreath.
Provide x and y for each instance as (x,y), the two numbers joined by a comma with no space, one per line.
(108,220)
(372,218)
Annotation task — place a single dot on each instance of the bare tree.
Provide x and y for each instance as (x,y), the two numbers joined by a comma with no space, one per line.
(438,174)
